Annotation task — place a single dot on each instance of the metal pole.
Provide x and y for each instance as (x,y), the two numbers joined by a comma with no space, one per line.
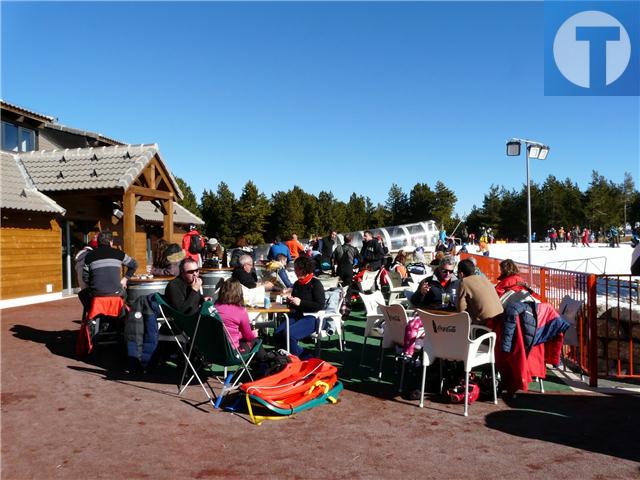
(68,259)
(526,153)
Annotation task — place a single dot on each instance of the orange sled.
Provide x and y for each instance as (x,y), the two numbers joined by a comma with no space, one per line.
(299,386)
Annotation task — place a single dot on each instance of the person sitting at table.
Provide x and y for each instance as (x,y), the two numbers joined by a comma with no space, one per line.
(167,259)
(102,270)
(246,274)
(510,278)
(282,271)
(184,293)
(477,296)
(307,298)
(430,290)
(230,306)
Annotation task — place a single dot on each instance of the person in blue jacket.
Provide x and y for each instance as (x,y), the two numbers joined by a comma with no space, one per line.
(277,248)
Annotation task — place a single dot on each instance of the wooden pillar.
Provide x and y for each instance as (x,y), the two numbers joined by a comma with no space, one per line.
(129,224)
(168,220)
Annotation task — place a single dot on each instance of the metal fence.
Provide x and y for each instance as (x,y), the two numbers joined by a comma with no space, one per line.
(607,327)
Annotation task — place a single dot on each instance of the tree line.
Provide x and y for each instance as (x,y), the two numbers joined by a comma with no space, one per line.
(556,203)
(259,218)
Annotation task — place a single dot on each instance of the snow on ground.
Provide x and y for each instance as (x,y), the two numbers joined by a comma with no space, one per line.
(599,258)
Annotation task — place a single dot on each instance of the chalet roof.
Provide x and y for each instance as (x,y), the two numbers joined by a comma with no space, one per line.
(149,212)
(83,133)
(29,113)
(18,192)
(93,168)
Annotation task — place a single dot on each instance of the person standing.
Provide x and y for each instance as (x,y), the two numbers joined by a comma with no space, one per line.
(553,235)
(193,244)
(585,237)
(278,248)
(344,264)
(295,247)
(371,252)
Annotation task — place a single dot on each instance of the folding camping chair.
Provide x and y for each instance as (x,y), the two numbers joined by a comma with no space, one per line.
(209,337)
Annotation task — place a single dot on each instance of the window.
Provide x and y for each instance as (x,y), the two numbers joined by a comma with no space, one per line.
(17,139)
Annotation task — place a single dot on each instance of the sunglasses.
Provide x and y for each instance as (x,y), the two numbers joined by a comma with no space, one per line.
(447,271)
(192,271)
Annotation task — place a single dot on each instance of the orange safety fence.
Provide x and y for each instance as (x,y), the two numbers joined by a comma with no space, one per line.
(609,307)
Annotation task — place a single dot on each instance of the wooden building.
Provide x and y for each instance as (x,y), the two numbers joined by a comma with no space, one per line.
(127,189)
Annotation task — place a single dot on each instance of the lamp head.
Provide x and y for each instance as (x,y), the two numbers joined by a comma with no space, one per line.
(544,151)
(513,148)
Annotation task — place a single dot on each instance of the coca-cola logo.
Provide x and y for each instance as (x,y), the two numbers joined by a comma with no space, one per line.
(446,329)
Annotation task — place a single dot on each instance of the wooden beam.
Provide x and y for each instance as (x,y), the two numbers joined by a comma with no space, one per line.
(129,223)
(163,176)
(168,220)
(150,192)
(152,175)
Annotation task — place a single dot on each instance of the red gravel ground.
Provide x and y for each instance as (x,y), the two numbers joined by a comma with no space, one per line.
(67,418)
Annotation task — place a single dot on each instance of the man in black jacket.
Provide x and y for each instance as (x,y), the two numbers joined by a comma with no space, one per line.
(102,269)
(184,293)
(247,275)
(430,290)
(372,253)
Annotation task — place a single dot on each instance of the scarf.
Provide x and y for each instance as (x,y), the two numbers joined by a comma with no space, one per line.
(306,279)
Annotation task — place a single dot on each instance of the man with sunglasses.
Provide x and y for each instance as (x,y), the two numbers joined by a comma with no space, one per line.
(430,290)
(184,293)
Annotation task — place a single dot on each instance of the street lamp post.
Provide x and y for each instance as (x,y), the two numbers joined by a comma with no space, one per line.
(532,150)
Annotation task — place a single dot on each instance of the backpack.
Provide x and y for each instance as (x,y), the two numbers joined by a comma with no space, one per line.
(195,246)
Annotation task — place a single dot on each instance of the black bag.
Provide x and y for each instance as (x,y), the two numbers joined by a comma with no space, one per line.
(196,244)
(272,362)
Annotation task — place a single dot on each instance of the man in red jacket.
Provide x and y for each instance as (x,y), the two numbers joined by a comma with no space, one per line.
(193,245)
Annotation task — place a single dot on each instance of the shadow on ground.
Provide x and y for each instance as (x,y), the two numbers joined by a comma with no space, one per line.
(607,424)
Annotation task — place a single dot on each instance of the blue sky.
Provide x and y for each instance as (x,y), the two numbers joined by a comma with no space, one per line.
(328,96)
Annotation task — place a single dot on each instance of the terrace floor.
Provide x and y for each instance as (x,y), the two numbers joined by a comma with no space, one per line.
(68,418)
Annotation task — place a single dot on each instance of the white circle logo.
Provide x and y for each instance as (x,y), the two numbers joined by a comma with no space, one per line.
(573,57)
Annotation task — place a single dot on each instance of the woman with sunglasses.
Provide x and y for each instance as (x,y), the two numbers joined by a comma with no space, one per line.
(430,290)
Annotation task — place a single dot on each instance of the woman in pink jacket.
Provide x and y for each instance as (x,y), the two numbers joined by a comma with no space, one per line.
(233,314)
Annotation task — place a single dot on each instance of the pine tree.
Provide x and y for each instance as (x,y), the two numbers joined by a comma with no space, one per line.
(250,214)
(398,205)
(445,202)
(421,203)
(217,212)
(189,200)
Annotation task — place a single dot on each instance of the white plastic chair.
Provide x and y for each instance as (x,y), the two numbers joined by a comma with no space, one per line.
(336,317)
(396,290)
(372,303)
(395,326)
(368,282)
(449,337)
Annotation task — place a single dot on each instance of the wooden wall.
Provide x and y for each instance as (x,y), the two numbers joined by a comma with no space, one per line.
(30,254)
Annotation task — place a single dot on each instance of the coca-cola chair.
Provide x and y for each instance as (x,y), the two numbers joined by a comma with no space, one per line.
(452,337)
(373,328)
(395,325)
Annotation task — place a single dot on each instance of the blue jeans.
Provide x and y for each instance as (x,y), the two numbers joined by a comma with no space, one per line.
(298,329)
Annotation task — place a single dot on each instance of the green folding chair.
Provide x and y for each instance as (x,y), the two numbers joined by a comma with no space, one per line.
(207,336)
